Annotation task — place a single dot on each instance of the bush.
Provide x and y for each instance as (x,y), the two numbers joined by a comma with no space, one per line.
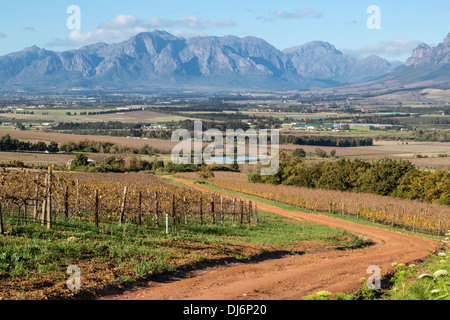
(321,153)
(254,177)
(80,161)
(299,153)
(175,168)
(444,201)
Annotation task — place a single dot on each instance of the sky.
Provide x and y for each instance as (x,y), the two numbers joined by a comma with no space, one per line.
(399,27)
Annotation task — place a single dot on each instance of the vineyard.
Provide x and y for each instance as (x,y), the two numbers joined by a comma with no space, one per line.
(141,199)
(402,213)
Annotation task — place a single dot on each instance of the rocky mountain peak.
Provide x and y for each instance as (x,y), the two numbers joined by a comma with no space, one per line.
(446,41)
(424,54)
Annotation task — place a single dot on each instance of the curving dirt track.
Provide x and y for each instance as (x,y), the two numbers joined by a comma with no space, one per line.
(296,276)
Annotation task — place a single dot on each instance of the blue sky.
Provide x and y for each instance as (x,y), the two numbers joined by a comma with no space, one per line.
(283,23)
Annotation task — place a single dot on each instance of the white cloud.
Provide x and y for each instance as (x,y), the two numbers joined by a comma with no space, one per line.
(389,49)
(189,22)
(121,21)
(77,37)
(299,14)
(183,33)
(122,27)
(294,15)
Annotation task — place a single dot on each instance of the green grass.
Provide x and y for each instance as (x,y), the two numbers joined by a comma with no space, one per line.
(362,130)
(409,284)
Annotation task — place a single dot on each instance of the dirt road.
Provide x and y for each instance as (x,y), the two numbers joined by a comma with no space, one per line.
(296,276)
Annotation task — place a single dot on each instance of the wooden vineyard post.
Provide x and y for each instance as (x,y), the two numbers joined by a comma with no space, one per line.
(25,213)
(256,213)
(140,209)
(49,199)
(167,223)
(44,209)
(124,201)
(221,209)
(213,218)
(1,220)
(234,211)
(250,209)
(66,203)
(78,200)
(173,210)
(96,208)
(201,210)
(242,211)
(156,209)
(18,214)
(185,211)
(44,202)
(36,198)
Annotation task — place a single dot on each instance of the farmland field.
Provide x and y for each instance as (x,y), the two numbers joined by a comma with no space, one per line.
(429,151)
(162,145)
(61,115)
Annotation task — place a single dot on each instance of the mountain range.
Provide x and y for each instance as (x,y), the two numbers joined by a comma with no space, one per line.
(160,60)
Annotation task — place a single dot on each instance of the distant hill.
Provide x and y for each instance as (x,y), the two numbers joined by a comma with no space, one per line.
(428,66)
(159,60)
(321,60)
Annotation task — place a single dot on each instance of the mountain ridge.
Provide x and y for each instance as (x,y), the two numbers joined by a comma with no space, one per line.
(159,59)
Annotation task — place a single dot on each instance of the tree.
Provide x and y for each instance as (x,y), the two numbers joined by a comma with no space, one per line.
(235,166)
(299,153)
(80,161)
(53,147)
(205,173)
(321,153)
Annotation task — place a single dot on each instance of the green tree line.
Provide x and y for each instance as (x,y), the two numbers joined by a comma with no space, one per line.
(7,143)
(90,146)
(387,177)
(326,141)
